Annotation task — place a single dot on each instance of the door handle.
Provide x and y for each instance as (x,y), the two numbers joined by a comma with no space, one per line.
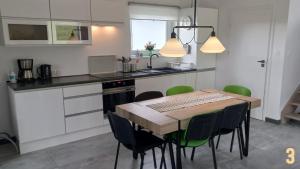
(262,62)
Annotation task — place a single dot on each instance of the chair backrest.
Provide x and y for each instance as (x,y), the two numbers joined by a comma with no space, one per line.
(236,89)
(179,90)
(233,116)
(148,96)
(201,127)
(122,129)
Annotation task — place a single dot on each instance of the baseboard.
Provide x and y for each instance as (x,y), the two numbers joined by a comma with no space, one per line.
(63,139)
(273,121)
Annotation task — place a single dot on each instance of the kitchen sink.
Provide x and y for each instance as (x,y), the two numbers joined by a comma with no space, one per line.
(152,71)
(139,74)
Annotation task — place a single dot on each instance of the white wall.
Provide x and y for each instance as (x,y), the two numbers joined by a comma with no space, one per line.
(291,73)
(275,69)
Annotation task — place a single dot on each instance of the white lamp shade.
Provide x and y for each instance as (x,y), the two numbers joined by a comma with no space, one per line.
(173,48)
(212,45)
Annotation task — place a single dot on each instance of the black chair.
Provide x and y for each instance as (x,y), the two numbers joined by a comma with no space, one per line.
(231,121)
(143,97)
(147,96)
(199,132)
(137,141)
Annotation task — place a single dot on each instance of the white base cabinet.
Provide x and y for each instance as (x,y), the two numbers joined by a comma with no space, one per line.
(39,114)
(163,83)
(206,80)
(198,80)
(47,117)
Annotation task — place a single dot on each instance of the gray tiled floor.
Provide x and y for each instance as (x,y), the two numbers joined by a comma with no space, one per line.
(267,150)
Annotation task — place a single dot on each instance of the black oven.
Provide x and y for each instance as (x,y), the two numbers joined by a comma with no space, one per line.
(117,93)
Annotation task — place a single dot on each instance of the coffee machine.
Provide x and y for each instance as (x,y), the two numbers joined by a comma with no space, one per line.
(25,70)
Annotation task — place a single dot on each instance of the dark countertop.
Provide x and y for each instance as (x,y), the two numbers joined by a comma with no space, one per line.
(82,79)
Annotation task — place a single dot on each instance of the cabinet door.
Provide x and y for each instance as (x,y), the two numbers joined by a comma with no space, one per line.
(109,10)
(71,10)
(26,32)
(191,80)
(159,83)
(25,8)
(40,114)
(205,80)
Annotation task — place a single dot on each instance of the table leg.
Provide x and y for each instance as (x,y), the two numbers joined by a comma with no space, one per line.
(178,148)
(247,131)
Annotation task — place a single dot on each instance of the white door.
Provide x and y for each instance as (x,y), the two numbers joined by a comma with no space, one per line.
(249,44)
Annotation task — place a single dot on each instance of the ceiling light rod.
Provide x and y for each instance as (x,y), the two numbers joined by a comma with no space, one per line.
(194,26)
(174,48)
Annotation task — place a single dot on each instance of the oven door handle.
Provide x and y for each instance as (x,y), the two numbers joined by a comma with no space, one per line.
(116,91)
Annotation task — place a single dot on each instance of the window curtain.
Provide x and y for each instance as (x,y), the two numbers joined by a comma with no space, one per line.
(153,12)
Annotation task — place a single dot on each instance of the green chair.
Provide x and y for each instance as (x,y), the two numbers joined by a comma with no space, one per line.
(179,90)
(236,89)
(199,132)
(174,91)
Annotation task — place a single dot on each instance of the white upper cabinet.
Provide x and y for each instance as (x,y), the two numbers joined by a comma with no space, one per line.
(25,8)
(109,10)
(79,10)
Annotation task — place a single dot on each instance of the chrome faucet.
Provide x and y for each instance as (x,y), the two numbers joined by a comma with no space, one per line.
(149,66)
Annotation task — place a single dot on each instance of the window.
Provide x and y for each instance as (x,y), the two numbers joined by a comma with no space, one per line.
(144,31)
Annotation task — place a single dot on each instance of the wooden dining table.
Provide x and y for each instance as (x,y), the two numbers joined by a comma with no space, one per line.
(172,113)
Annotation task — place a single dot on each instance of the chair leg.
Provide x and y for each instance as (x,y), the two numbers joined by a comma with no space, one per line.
(213,153)
(193,153)
(154,158)
(184,152)
(142,160)
(172,155)
(240,143)
(232,140)
(117,156)
(218,141)
(163,161)
(135,155)
(8,138)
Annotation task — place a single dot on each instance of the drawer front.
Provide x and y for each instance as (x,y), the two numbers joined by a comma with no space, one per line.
(83,104)
(82,90)
(84,121)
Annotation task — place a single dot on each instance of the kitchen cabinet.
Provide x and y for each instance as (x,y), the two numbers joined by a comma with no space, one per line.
(52,116)
(163,83)
(18,31)
(84,121)
(205,80)
(25,8)
(109,10)
(71,33)
(38,114)
(83,107)
(78,10)
(83,104)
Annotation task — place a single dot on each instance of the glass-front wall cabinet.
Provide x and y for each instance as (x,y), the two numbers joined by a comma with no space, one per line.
(71,33)
(26,32)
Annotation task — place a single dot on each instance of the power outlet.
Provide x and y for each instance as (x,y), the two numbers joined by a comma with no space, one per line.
(55,73)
